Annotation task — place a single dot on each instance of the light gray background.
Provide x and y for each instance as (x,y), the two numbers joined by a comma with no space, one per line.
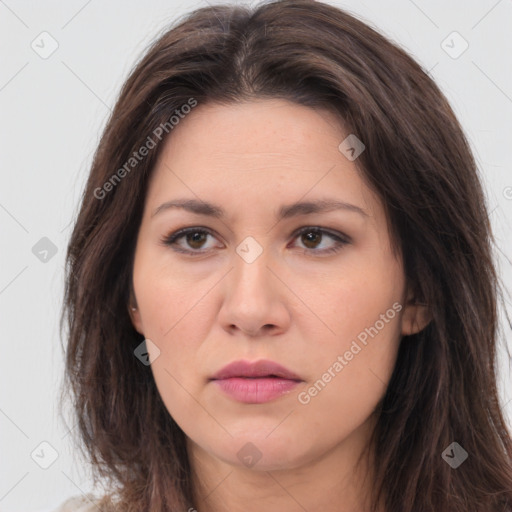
(52,114)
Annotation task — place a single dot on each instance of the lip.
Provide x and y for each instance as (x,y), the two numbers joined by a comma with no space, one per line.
(255,382)
(261,368)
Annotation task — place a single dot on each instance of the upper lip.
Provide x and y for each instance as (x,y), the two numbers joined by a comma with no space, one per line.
(261,368)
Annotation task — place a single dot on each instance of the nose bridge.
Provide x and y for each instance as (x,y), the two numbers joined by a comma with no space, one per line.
(251,274)
(251,301)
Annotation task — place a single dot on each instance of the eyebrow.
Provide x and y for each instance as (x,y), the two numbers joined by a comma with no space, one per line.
(284,212)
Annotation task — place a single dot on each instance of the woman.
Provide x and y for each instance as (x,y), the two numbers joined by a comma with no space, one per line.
(280,287)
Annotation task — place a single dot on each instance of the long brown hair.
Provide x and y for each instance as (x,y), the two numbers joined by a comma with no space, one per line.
(417,159)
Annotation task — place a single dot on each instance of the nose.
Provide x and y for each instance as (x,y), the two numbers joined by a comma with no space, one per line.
(254,301)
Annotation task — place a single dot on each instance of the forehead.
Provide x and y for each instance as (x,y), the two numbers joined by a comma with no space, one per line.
(256,153)
(257,135)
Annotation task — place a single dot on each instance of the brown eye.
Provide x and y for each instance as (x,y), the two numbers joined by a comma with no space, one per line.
(192,241)
(189,240)
(311,238)
(196,238)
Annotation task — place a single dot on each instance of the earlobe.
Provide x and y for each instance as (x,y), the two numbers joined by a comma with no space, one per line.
(135,318)
(416,317)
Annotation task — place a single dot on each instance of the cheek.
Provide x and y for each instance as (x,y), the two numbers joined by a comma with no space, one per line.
(175,320)
(350,380)
(363,311)
(357,298)
(166,298)
(177,368)
(178,394)
(175,313)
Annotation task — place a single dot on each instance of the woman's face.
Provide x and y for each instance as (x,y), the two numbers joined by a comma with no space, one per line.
(328,304)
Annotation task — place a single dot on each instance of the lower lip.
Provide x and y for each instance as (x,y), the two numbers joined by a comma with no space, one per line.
(257,390)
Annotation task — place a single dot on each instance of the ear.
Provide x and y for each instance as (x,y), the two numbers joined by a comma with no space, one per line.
(134,313)
(416,316)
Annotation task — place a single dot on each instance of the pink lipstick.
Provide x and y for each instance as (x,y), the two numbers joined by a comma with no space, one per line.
(255,382)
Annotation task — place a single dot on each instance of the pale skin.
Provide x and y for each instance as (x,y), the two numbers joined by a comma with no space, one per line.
(293,305)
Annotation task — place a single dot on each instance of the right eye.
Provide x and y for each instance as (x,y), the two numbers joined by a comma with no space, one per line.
(193,237)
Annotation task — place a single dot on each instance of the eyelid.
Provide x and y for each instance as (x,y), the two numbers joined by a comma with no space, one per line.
(171,238)
(327,231)
(340,239)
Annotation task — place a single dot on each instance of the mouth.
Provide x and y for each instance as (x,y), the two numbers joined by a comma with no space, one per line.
(255,382)
(253,370)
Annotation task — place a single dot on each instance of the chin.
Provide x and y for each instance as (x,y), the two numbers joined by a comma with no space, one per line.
(260,453)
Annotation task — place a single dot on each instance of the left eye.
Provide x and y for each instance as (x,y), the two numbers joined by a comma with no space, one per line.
(311,236)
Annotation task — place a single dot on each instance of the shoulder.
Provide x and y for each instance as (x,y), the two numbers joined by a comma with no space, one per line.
(84,503)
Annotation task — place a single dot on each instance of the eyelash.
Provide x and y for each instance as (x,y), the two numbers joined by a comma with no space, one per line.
(341,240)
